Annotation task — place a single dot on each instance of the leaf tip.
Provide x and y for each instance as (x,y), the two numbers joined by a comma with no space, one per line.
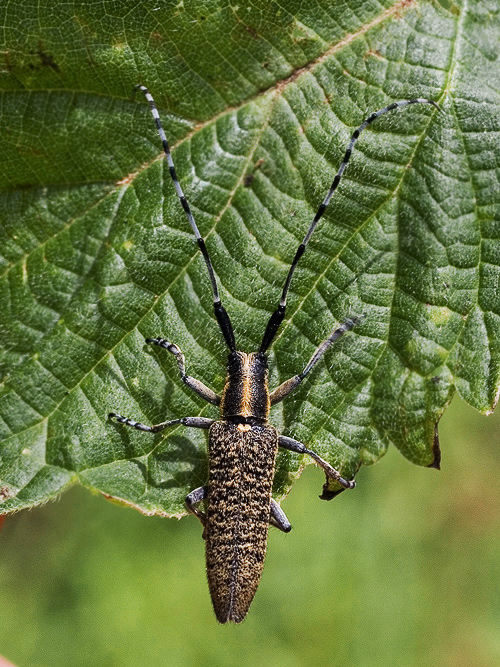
(436,449)
(329,494)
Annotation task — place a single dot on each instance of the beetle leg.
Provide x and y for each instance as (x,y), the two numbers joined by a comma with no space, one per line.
(197,386)
(331,473)
(193,499)
(292,383)
(278,518)
(195,422)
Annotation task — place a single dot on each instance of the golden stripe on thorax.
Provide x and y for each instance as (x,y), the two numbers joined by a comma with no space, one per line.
(246,394)
(246,389)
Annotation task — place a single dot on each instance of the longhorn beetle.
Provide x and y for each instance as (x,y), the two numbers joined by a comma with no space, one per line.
(242,445)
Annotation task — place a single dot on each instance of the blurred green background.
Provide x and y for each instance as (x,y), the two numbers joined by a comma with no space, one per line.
(405,570)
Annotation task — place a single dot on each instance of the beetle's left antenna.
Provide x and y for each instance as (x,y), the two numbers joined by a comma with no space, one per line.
(278,315)
(220,312)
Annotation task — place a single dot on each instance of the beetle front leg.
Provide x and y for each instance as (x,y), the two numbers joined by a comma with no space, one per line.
(292,383)
(296,446)
(194,384)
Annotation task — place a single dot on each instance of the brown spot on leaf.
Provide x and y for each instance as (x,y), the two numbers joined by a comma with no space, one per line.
(251,31)
(156,37)
(8,64)
(247,181)
(404,4)
(374,53)
(46,59)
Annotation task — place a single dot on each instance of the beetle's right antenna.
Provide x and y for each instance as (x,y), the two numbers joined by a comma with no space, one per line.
(220,312)
(277,317)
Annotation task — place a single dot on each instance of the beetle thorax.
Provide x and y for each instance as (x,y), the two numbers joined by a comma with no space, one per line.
(246,395)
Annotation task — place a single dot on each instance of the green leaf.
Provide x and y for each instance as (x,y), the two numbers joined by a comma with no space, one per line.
(259,100)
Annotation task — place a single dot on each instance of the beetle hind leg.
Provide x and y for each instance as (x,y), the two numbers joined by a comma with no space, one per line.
(278,518)
(193,499)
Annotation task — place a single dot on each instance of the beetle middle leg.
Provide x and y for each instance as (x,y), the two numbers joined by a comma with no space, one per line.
(193,422)
(296,446)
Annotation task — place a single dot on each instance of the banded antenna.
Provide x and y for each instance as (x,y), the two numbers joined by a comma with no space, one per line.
(277,317)
(220,312)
